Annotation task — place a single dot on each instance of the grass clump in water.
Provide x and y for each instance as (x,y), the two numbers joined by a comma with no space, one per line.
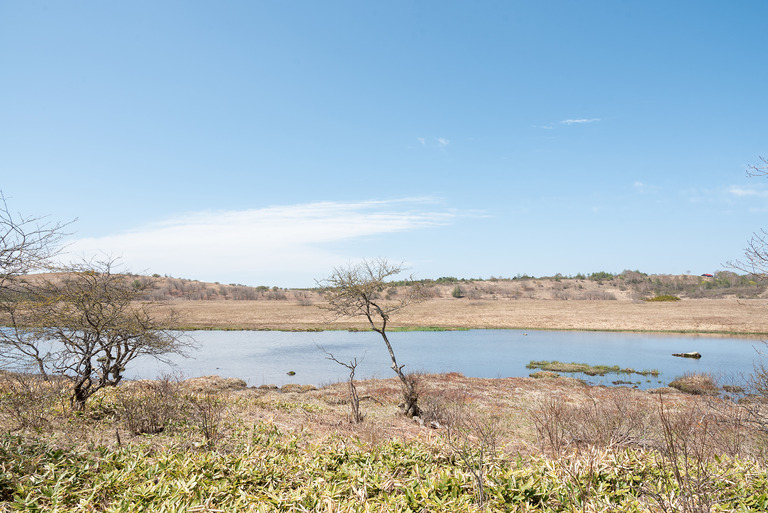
(544,375)
(696,384)
(585,368)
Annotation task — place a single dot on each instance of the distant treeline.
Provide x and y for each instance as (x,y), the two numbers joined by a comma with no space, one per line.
(595,286)
(164,287)
(640,284)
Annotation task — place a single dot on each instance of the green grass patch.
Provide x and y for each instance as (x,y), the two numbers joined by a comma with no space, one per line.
(663,297)
(544,375)
(427,328)
(585,368)
(399,329)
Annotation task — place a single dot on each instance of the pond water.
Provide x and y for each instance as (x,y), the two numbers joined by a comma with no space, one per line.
(265,357)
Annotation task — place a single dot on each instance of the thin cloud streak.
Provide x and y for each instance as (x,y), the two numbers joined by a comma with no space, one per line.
(279,240)
(579,121)
(644,188)
(744,192)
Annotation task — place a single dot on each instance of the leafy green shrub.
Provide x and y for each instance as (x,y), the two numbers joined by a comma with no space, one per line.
(663,297)
(457,292)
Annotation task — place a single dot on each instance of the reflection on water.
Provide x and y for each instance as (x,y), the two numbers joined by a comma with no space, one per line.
(262,357)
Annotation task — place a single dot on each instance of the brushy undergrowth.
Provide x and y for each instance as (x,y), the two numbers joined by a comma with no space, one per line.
(274,471)
(568,448)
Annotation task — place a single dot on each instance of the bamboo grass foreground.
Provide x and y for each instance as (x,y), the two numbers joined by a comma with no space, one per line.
(268,470)
(508,444)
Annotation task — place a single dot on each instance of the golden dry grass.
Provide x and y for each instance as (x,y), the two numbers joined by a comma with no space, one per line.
(513,402)
(744,316)
(325,412)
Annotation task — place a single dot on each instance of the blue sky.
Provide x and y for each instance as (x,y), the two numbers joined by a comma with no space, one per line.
(265,142)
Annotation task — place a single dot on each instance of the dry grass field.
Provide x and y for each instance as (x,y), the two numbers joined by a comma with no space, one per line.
(727,303)
(740,316)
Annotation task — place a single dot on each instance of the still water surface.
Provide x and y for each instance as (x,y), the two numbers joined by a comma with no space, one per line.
(265,357)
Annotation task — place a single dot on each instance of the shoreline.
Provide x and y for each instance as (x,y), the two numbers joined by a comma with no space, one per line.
(734,334)
(719,317)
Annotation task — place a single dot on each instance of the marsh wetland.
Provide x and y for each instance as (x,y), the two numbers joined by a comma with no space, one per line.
(487,437)
(266,357)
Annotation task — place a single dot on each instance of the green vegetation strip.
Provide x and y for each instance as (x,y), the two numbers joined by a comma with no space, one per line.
(315,329)
(663,297)
(589,370)
(426,328)
(739,334)
(410,328)
(272,471)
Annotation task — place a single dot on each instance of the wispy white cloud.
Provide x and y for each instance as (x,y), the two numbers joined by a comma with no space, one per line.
(741,192)
(443,142)
(293,240)
(579,121)
(643,188)
(422,140)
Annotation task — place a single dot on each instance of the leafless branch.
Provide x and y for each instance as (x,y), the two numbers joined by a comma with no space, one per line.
(758,170)
(354,399)
(357,291)
(27,244)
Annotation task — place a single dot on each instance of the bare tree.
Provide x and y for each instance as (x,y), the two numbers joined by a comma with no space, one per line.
(756,262)
(756,402)
(87,325)
(354,399)
(27,244)
(756,253)
(357,291)
(20,349)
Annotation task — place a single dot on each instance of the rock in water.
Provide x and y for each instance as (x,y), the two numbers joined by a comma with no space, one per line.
(694,354)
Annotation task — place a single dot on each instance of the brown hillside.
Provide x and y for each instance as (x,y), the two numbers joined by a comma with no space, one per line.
(725,303)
